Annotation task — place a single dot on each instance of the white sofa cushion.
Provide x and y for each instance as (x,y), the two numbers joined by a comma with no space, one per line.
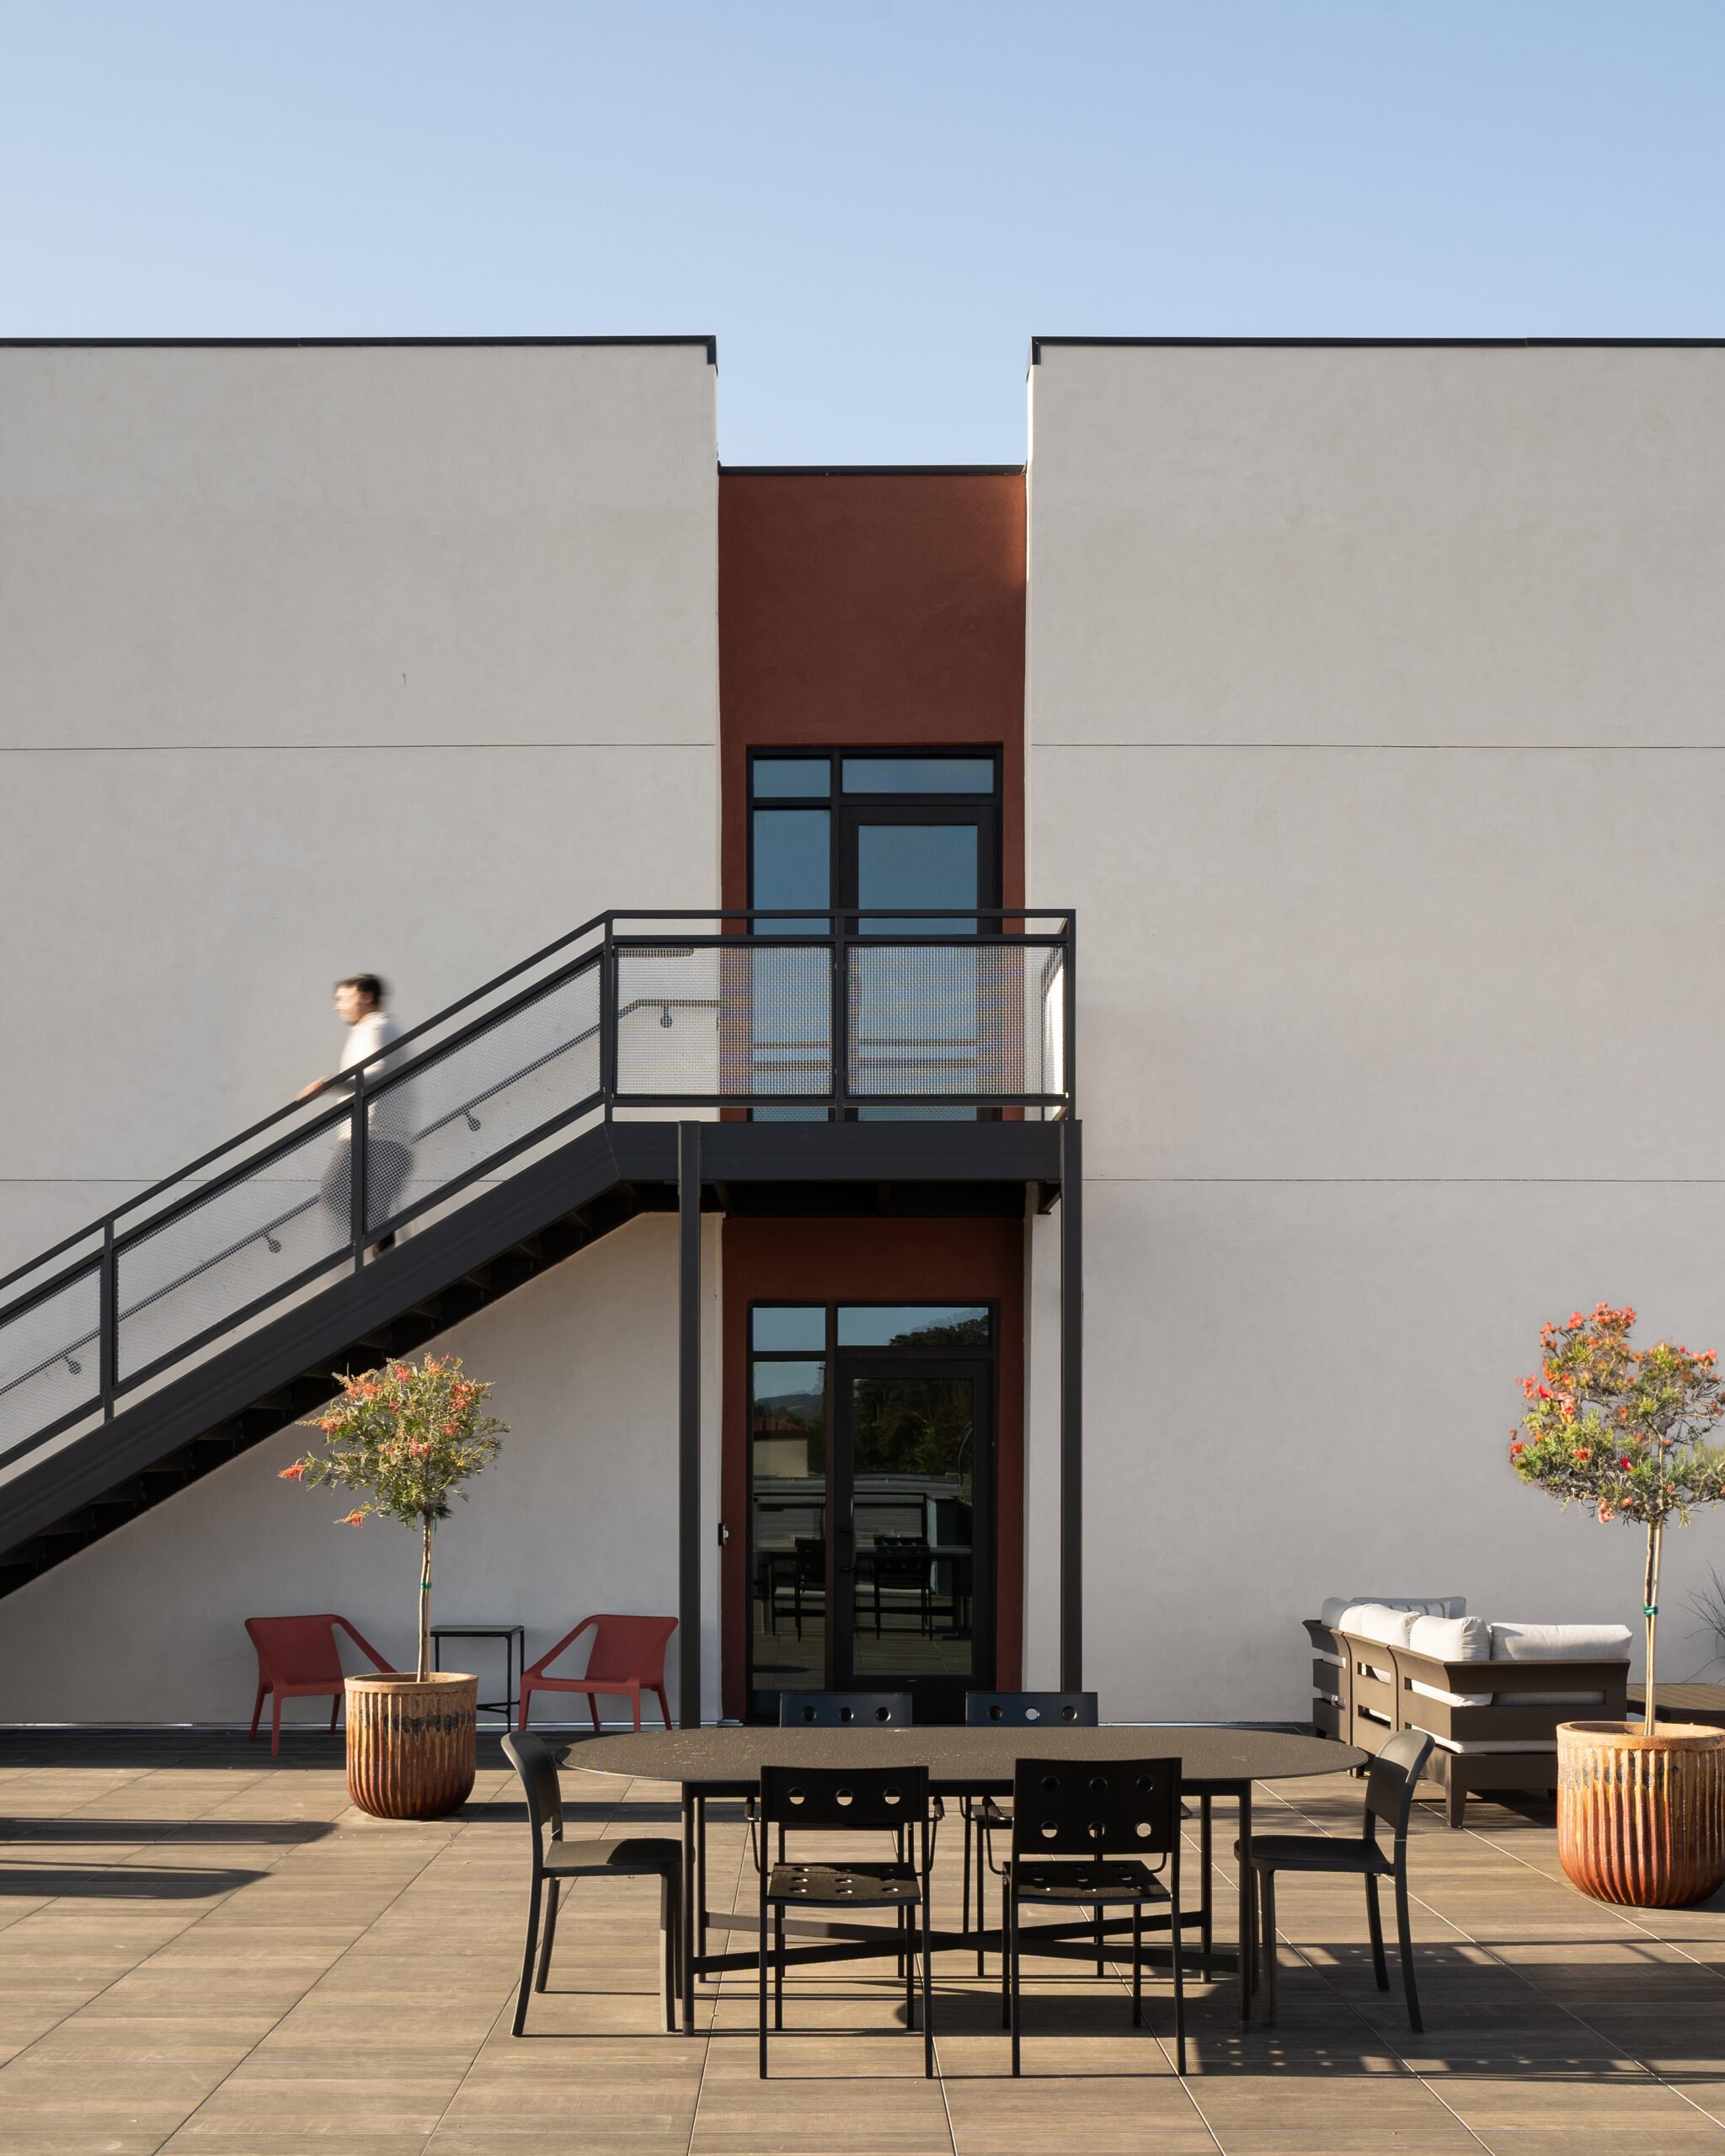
(1427,1605)
(1376,1620)
(1559,1642)
(1452,1639)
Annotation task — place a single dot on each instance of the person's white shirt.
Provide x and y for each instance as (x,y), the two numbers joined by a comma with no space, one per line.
(392,1116)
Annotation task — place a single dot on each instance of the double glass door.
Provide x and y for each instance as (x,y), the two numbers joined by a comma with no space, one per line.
(873,1536)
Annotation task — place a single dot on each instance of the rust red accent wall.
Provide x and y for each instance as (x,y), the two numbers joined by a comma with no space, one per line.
(870,608)
(887,609)
(838,1261)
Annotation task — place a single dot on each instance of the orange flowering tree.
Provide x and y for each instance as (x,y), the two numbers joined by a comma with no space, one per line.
(407,1439)
(1624,1432)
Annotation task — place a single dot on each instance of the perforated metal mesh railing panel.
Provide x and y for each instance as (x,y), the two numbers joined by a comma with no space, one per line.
(247,1240)
(742,1016)
(50,1359)
(460,1108)
(981,1018)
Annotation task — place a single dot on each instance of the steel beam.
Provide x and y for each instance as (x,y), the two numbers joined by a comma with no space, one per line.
(689,1425)
(1072,1407)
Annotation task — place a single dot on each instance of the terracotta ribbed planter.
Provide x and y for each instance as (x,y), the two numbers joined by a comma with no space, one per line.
(1640,1820)
(412,1749)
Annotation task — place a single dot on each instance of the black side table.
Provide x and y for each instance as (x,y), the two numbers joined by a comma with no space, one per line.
(515,1656)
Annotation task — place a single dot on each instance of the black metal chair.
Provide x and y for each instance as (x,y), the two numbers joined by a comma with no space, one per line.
(1011,1710)
(554,1860)
(1070,1819)
(841,1711)
(847,1800)
(844,1710)
(902,1565)
(1389,1795)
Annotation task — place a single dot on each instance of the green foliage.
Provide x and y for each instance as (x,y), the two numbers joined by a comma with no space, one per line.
(406,1439)
(1624,1432)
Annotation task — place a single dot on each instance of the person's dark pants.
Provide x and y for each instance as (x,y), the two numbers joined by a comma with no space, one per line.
(388,1166)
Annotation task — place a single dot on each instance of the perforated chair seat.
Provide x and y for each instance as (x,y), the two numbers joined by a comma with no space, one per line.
(1128,1880)
(644,1853)
(1319,1852)
(844,1887)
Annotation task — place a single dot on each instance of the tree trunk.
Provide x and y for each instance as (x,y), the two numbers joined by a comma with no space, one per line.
(427,1523)
(1650,1611)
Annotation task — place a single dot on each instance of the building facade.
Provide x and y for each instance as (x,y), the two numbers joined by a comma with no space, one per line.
(1359,704)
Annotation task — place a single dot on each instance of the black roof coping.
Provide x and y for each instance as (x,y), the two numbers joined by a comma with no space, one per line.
(1404,343)
(319,343)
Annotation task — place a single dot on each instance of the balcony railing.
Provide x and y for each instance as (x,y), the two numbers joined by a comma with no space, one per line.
(632,1012)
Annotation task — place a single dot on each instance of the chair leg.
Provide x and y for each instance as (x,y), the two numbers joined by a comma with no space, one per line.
(1455,1801)
(1267,1889)
(667,1953)
(928,1977)
(276,1726)
(778,1966)
(1404,1938)
(335,1709)
(1174,1933)
(1101,1951)
(1375,1924)
(524,1703)
(664,1705)
(528,1955)
(1006,1953)
(1013,1993)
(635,1702)
(762,1977)
(593,1709)
(554,1889)
(964,1918)
(1138,1965)
(256,1711)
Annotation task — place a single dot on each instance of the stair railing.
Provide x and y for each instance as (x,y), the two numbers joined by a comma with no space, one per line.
(746,1016)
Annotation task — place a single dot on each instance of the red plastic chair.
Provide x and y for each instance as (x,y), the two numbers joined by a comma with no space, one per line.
(297,1659)
(627,1655)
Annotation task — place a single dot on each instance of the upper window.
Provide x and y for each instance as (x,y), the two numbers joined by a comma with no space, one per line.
(916,774)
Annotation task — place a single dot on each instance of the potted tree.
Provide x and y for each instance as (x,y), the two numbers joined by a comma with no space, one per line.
(1640,1806)
(406,1439)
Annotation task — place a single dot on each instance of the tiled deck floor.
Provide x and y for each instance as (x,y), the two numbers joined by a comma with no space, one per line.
(201,1951)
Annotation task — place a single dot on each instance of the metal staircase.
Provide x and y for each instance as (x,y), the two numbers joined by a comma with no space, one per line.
(522,1124)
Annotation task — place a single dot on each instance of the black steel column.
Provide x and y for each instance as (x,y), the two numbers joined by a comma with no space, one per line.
(689,1424)
(1072,1407)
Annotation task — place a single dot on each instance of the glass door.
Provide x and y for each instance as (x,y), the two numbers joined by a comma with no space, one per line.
(910,1497)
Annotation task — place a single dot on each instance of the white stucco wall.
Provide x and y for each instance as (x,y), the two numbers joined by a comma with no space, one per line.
(1373,713)
(313,660)
(318,659)
(579,1514)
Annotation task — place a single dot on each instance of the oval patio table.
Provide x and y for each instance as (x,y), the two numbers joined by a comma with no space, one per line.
(961,1763)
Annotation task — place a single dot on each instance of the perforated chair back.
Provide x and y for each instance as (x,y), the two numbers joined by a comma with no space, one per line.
(1095,1807)
(1389,1786)
(844,1710)
(1030,1711)
(843,1800)
(535,1762)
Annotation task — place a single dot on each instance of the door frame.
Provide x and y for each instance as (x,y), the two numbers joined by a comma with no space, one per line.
(984,1529)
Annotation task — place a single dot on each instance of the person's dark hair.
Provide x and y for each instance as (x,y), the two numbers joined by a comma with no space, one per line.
(367,984)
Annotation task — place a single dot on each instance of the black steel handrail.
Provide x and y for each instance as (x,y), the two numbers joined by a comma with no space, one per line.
(412,1056)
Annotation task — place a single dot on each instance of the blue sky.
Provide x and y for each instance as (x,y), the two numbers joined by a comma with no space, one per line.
(872,203)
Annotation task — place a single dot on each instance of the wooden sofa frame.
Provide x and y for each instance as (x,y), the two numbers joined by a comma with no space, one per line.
(1357,1706)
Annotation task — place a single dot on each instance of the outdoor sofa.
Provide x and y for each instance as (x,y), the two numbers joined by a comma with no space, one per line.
(1386,1664)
